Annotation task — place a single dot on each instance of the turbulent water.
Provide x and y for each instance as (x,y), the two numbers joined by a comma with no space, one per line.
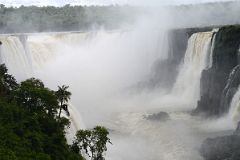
(100,66)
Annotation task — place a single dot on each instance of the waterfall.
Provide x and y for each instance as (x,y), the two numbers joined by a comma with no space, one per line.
(14,55)
(210,57)
(96,65)
(187,85)
(230,89)
(235,107)
(230,99)
(234,112)
(23,54)
(76,122)
(232,95)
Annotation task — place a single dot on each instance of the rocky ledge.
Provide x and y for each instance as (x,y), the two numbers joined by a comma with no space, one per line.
(161,116)
(222,148)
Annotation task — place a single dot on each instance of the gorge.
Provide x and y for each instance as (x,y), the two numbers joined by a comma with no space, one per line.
(164,82)
(196,75)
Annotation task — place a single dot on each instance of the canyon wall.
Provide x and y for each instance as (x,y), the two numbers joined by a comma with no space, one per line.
(217,85)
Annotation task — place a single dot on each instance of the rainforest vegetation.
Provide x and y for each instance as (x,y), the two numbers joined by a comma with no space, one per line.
(32,126)
(66,18)
(26,19)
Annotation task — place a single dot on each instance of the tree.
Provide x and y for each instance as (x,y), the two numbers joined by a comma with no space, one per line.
(99,140)
(29,124)
(10,82)
(33,95)
(63,96)
(7,154)
(7,82)
(92,142)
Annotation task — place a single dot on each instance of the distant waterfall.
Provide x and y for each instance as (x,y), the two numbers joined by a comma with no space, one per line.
(14,55)
(23,54)
(197,58)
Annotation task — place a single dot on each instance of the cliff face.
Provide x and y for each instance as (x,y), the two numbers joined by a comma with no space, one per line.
(213,87)
(221,148)
(165,71)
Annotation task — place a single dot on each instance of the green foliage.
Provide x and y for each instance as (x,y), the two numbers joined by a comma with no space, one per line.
(7,82)
(92,142)
(29,126)
(36,98)
(66,18)
(7,154)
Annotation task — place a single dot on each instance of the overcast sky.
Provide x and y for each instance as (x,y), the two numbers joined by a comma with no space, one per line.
(100,2)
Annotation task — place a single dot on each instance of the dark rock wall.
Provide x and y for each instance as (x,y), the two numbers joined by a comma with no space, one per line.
(230,89)
(214,80)
(165,71)
(221,148)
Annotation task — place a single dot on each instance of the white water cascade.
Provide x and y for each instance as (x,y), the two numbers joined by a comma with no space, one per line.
(233,116)
(210,56)
(14,55)
(234,111)
(24,54)
(178,138)
(196,59)
(231,119)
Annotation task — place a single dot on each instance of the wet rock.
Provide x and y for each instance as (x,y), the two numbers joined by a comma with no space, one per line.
(164,72)
(161,116)
(222,148)
(237,131)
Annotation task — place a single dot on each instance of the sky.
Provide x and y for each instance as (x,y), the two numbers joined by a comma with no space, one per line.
(100,2)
